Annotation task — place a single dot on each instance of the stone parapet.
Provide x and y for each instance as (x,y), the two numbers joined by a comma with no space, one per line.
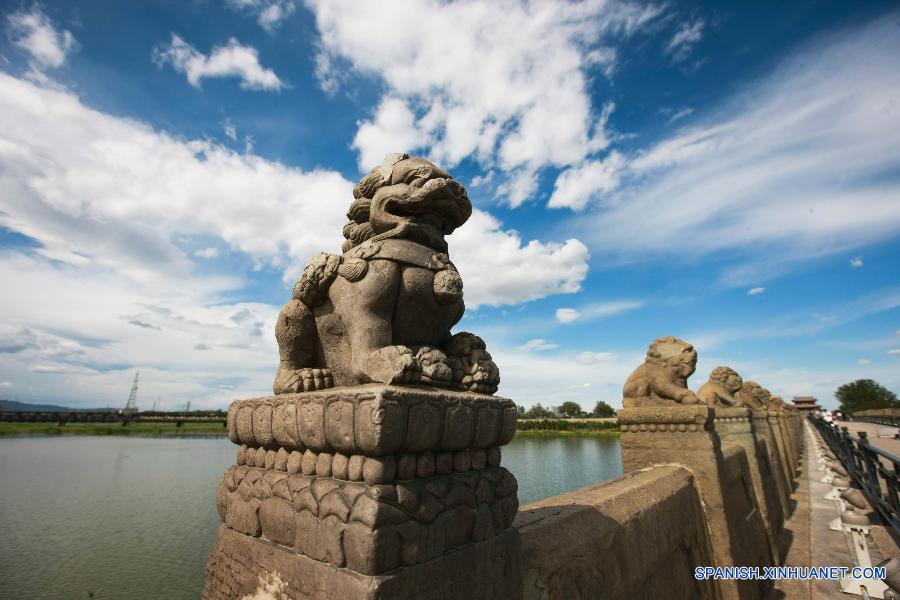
(768,450)
(784,455)
(735,424)
(637,536)
(685,435)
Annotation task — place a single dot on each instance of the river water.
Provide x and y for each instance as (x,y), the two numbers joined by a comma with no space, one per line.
(130,517)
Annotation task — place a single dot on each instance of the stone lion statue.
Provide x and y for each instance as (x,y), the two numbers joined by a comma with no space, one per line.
(776,404)
(720,390)
(662,379)
(381,312)
(752,395)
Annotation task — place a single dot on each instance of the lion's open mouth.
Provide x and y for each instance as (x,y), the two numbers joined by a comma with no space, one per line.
(441,203)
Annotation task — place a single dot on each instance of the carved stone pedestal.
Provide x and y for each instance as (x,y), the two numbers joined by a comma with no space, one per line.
(684,435)
(368,491)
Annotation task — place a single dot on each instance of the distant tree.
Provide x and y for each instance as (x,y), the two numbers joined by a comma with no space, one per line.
(520,411)
(865,394)
(603,410)
(538,412)
(570,409)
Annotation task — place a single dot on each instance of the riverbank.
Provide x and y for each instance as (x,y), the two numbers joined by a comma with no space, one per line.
(526,428)
(25,429)
(585,426)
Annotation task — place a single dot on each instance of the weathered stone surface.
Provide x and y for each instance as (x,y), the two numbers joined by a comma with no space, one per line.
(298,511)
(276,519)
(240,566)
(639,536)
(406,466)
(374,420)
(662,379)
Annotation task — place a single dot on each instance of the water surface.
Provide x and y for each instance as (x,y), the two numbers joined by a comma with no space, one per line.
(127,517)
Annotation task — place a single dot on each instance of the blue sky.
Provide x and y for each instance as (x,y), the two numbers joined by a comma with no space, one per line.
(728,173)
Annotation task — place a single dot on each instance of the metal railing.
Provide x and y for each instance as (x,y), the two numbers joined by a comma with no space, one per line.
(874,471)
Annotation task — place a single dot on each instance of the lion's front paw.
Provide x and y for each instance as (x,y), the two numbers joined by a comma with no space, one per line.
(688,397)
(393,364)
(293,381)
(434,367)
(473,368)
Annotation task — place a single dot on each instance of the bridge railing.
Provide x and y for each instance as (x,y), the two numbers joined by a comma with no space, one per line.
(881,416)
(105,417)
(874,471)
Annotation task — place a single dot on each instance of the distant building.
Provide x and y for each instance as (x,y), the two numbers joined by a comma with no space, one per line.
(806,403)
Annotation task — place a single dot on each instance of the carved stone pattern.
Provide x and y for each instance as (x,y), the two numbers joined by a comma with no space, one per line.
(370,529)
(373,424)
(372,470)
(662,428)
(666,415)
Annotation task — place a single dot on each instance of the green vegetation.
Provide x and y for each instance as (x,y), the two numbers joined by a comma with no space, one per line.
(566,410)
(865,394)
(9,429)
(603,410)
(570,409)
(567,427)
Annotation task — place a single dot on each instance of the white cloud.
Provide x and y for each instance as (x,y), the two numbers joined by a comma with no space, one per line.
(33,32)
(211,252)
(392,130)
(863,362)
(567,315)
(231,60)
(577,186)
(684,40)
(756,291)
(795,167)
(269,13)
(525,376)
(502,82)
(676,115)
(856,262)
(109,202)
(592,358)
(229,129)
(498,267)
(537,344)
(894,351)
(597,310)
(5,385)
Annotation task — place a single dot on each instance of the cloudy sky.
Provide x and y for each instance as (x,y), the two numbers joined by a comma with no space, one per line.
(728,173)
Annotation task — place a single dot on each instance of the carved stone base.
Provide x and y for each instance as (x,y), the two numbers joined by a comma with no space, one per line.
(242,566)
(359,492)
(370,529)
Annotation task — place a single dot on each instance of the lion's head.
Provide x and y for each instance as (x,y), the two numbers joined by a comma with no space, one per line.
(727,378)
(674,354)
(409,198)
